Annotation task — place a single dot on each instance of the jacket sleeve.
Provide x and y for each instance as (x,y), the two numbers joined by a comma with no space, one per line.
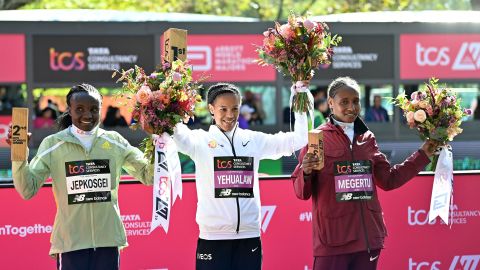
(28,178)
(302,183)
(274,146)
(185,139)
(388,177)
(136,165)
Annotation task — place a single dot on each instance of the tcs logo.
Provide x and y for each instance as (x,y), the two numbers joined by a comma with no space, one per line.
(76,169)
(462,262)
(224,164)
(344,169)
(467,57)
(66,61)
(432,56)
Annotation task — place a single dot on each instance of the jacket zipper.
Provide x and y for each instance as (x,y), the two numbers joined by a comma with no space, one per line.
(236,199)
(362,214)
(92,227)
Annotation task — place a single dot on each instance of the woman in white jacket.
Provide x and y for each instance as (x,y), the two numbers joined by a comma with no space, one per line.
(226,159)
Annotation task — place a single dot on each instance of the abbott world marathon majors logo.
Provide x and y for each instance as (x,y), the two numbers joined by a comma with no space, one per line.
(459,262)
(24,231)
(135,225)
(467,57)
(419,217)
(219,58)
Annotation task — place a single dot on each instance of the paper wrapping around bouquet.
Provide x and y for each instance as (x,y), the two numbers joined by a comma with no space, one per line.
(174,45)
(19,134)
(315,146)
(442,191)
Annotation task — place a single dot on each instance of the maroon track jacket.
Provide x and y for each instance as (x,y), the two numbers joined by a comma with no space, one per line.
(353,226)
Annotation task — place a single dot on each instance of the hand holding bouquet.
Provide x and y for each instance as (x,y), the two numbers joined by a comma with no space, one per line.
(296,49)
(435,112)
(161,100)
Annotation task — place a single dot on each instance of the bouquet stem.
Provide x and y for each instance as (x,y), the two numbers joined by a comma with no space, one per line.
(302,100)
(301,103)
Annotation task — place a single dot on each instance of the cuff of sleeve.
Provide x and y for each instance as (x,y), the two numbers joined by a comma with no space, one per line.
(422,158)
(306,177)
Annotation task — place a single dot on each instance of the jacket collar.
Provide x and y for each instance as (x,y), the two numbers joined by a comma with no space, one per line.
(216,129)
(67,136)
(359,127)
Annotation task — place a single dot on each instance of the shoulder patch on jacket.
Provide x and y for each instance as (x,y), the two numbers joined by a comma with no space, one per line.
(106,145)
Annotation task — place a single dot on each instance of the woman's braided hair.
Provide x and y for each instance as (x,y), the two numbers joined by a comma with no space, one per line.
(219,89)
(340,82)
(65,120)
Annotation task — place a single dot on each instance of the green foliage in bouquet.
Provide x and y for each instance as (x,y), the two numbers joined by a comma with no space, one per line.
(435,112)
(162,99)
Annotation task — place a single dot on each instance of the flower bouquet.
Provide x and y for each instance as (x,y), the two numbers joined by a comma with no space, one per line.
(436,113)
(296,49)
(161,100)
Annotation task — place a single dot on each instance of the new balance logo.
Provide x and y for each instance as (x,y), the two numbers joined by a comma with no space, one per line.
(225,192)
(79,198)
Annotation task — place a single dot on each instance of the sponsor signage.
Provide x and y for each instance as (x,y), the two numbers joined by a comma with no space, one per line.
(12,55)
(92,59)
(286,227)
(444,56)
(361,56)
(227,58)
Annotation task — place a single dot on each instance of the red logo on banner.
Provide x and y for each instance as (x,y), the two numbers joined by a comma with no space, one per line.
(66,61)
(447,56)
(227,58)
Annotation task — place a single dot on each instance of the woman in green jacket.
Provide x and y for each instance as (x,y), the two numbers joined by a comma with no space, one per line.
(85,164)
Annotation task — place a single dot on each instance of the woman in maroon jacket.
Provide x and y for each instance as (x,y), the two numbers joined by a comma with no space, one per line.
(348,227)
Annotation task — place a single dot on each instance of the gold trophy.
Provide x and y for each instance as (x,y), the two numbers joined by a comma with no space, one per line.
(19,134)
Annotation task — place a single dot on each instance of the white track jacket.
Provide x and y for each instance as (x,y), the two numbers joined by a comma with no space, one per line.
(233,218)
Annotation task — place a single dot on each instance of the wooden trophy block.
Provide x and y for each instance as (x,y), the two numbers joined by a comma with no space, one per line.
(174,45)
(315,146)
(19,134)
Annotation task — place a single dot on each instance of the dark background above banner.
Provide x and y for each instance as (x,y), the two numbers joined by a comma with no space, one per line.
(361,56)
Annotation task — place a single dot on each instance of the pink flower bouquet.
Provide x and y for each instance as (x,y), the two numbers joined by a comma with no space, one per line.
(435,112)
(161,100)
(296,49)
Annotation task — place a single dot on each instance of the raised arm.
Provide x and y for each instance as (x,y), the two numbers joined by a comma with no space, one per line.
(28,178)
(185,139)
(274,146)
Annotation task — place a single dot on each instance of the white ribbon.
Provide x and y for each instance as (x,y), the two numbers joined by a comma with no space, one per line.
(442,191)
(301,87)
(167,180)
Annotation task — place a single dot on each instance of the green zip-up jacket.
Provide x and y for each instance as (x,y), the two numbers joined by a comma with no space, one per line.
(85,185)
